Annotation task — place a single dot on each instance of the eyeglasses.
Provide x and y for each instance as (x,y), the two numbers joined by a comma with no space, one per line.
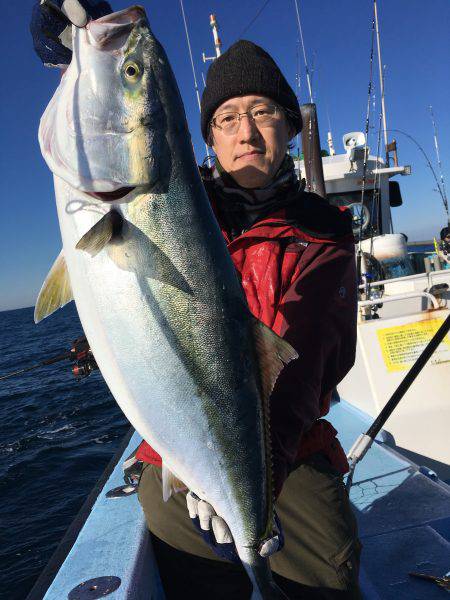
(262,114)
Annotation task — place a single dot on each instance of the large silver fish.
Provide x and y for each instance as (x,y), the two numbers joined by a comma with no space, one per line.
(154,285)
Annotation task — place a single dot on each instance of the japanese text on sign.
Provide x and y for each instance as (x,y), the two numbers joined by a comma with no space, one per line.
(402,345)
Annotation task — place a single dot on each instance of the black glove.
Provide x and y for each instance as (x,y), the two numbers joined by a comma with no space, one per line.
(51,26)
(216,533)
(132,468)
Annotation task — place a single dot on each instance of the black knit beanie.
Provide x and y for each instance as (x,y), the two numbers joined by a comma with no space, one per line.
(244,69)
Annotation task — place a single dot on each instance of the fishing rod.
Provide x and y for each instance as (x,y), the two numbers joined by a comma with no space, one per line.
(254,19)
(197,93)
(365,440)
(438,158)
(376,198)
(310,132)
(359,254)
(381,75)
(297,93)
(435,177)
(300,32)
(79,354)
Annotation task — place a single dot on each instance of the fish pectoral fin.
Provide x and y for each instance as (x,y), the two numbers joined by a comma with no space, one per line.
(102,233)
(170,483)
(56,290)
(273,353)
(158,265)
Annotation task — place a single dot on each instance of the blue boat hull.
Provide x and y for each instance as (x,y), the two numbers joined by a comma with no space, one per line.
(403,515)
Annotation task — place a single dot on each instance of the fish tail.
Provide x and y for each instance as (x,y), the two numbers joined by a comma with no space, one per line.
(258,569)
(272,592)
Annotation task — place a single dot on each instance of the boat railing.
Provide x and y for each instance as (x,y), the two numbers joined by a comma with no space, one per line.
(393,280)
(436,274)
(396,297)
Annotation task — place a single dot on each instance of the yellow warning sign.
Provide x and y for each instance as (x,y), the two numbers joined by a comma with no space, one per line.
(402,345)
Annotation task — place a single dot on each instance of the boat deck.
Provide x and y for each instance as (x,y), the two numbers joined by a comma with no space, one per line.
(404,520)
(403,516)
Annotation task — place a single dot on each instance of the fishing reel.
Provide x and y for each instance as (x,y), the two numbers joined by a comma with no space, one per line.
(80,355)
(83,359)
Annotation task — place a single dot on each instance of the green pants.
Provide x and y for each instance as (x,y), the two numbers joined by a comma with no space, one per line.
(320,558)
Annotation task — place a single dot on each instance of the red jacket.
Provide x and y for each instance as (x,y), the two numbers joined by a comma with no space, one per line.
(297,269)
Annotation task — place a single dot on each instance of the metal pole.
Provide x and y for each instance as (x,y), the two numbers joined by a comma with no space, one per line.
(215,29)
(217,40)
(380,69)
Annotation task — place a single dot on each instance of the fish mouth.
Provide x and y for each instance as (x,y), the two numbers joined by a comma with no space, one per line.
(113,29)
(128,15)
(112,196)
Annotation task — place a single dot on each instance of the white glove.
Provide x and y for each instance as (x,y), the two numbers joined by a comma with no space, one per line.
(208,518)
(217,534)
(74,13)
(71,9)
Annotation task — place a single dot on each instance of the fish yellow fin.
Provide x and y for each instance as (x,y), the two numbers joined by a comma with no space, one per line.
(101,234)
(56,290)
(170,483)
(273,353)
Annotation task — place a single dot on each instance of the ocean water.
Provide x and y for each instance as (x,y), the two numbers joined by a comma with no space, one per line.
(422,248)
(57,434)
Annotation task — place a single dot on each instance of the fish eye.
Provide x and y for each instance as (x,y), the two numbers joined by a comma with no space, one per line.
(132,71)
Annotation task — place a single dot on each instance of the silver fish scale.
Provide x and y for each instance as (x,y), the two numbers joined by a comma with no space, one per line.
(210,332)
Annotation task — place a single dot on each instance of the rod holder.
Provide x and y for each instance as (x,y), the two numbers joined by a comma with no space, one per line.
(315,181)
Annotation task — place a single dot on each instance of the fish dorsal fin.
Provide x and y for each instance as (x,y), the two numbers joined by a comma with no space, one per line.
(170,483)
(56,290)
(273,354)
(101,233)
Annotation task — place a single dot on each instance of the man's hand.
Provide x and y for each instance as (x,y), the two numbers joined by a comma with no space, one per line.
(51,26)
(217,534)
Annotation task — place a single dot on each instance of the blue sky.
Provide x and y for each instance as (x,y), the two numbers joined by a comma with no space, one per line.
(416,51)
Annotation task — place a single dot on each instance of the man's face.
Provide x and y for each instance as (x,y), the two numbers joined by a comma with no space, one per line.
(254,153)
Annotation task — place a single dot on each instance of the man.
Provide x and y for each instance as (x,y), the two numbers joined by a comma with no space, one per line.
(443,248)
(295,257)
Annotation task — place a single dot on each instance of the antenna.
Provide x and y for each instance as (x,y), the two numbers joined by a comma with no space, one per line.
(330,143)
(217,41)
(441,175)
(300,31)
(330,136)
(217,46)
(380,69)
